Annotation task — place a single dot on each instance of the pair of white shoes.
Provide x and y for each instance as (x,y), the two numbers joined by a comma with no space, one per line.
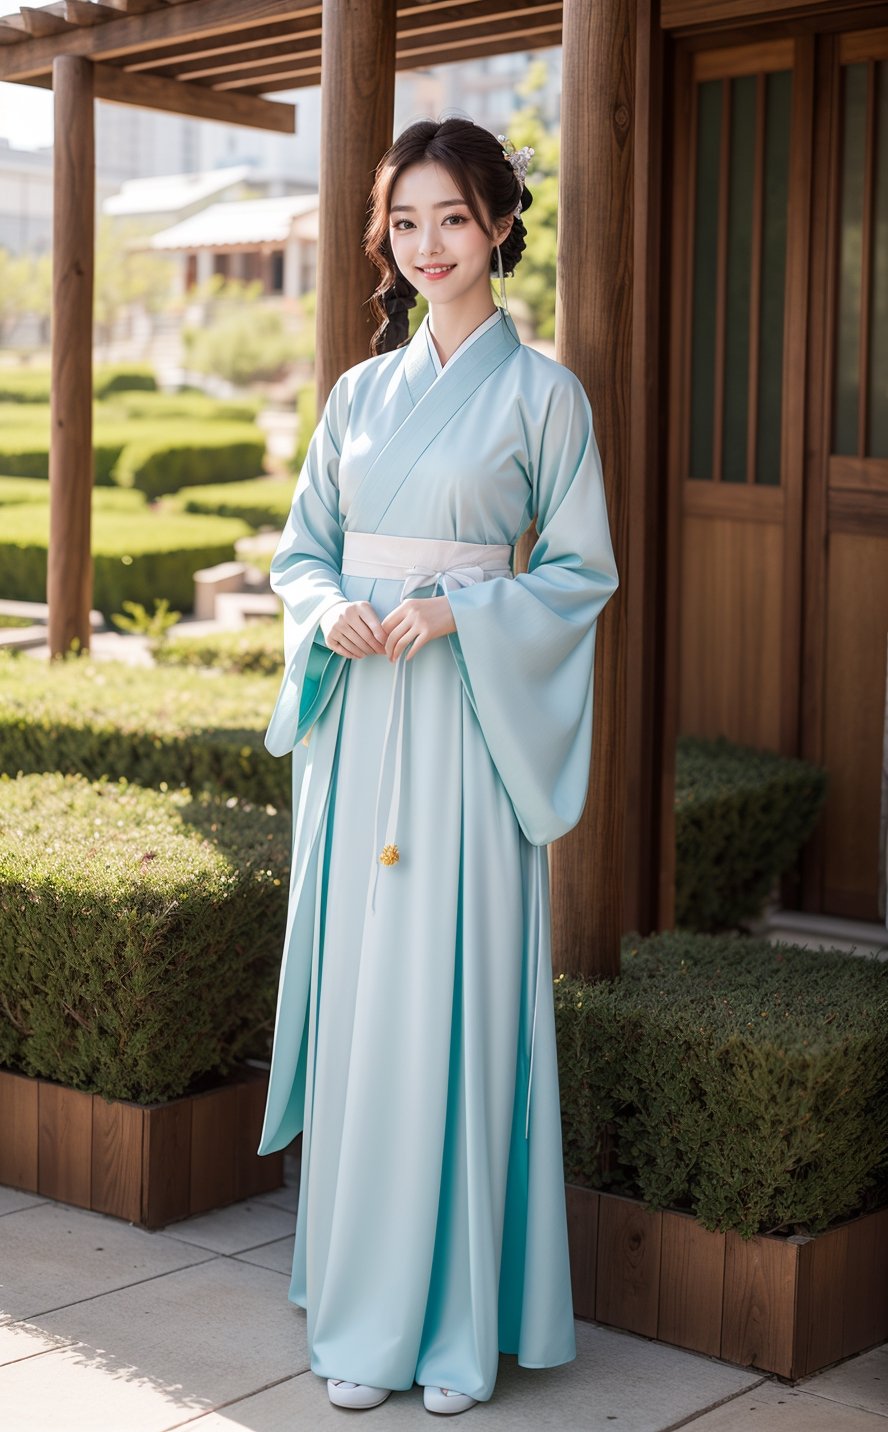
(359,1394)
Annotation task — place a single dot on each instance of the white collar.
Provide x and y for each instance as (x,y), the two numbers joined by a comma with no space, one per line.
(475,333)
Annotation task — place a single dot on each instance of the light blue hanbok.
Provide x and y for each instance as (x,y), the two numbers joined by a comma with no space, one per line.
(415,1037)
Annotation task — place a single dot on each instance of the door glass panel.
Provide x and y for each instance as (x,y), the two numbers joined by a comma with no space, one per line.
(847,384)
(877,406)
(740,200)
(778,96)
(709,110)
(756,184)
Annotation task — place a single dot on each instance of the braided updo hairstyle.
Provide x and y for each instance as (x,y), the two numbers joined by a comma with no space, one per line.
(474,159)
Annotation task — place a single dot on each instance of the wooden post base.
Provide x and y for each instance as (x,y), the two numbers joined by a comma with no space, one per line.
(149,1163)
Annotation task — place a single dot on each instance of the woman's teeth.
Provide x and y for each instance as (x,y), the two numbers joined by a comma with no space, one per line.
(438,271)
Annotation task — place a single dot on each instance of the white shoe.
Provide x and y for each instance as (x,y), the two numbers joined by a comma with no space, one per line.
(355,1394)
(444,1399)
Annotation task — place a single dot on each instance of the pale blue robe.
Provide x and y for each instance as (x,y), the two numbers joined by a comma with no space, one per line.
(431,1232)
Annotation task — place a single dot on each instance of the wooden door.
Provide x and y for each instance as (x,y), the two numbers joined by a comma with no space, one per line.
(778,421)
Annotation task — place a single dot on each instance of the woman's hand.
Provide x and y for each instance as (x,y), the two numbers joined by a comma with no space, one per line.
(418,619)
(353,629)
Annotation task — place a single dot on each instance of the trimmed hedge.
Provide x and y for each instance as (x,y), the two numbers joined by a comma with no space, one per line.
(32,490)
(741,817)
(257,647)
(263,502)
(106,718)
(221,452)
(157,454)
(34,385)
(140,933)
(743,1082)
(154,407)
(135,560)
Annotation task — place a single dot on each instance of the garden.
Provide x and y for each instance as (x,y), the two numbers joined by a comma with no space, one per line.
(723,1087)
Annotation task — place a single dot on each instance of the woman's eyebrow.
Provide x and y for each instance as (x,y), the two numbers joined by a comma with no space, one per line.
(442,204)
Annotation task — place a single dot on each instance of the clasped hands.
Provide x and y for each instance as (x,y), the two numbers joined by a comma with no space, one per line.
(354,629)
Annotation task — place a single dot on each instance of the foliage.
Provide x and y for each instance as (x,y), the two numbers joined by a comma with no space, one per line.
(743,1082)
(154,624)
(132,561)
(257,647)
(741,817)
(533,283)
(262,501)
(241,347)
(106,718)
(140,933)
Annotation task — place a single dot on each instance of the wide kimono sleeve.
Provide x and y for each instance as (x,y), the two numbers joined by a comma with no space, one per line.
(525,645)
(305,574)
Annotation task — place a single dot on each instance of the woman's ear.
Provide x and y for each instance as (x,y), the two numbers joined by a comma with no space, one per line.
(504,229)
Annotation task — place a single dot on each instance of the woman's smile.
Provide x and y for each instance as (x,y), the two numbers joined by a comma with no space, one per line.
(436,270)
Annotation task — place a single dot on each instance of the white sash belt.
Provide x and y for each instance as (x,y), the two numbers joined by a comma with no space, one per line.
(419,562)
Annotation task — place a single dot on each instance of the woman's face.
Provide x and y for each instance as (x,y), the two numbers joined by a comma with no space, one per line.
(430,226)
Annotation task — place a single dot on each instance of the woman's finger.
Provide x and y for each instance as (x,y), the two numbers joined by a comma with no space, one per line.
(347,648)
(373,624)
(358,639)
(396,632)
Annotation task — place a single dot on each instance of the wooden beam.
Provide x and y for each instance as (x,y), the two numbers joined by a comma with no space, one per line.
(127,36)
(69,568)
(200,102)
(593,326)
(683,14)
(119,86)
(357,99)
(205,23)
(309,74)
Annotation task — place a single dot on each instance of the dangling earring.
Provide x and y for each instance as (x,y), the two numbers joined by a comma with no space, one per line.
(502,281)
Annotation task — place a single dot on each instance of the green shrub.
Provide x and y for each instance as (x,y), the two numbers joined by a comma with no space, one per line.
(743,1082)
(263,502)
(243,346)
(158,407)
(30,385)
(122,378)
(222,452)
(155,556)
(157,454)
(258,647)
(34,385)
(307,412)
(105,718)
(31,490)
(140,933)
(741,817)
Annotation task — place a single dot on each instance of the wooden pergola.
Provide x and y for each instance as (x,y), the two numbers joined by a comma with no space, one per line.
(217,59)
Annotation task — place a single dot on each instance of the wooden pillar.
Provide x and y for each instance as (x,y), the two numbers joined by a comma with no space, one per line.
(357,116)
(593,324)
(69,573)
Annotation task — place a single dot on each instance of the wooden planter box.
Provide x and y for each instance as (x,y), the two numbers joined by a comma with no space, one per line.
(788,1305)
(148,1163)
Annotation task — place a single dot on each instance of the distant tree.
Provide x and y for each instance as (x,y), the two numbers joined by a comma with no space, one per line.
(126,275)
(534,280)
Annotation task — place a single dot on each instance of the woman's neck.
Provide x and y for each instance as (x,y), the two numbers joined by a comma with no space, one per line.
(450,326)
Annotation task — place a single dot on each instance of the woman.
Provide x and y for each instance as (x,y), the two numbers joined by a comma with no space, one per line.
(447,707)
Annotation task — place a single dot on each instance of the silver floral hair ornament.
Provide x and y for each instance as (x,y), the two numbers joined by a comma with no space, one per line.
(519,160)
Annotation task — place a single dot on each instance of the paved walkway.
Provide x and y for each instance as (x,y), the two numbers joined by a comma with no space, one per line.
(107,1328)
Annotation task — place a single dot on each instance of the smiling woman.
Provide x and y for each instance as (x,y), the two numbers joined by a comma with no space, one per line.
(415,1034)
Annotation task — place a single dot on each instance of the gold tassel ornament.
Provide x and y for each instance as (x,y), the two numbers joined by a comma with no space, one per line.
(390,855)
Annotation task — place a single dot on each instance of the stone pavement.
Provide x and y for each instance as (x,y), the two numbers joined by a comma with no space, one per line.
(107,1328)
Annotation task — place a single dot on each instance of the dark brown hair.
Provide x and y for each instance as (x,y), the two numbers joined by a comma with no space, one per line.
(474,159)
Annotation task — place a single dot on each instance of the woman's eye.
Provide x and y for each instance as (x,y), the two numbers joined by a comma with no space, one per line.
(460,219)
